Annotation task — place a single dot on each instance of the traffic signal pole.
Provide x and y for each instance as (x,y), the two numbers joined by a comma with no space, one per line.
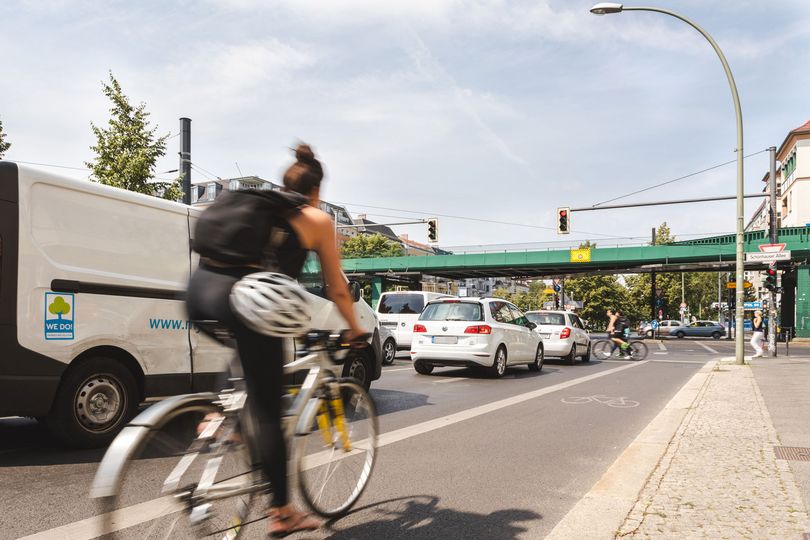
(774,239)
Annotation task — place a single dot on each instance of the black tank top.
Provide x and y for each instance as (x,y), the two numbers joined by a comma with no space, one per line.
(284,252)
(758,327)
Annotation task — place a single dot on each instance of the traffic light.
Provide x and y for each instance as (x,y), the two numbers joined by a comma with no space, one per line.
(433,230)
(563,220)
(770,278)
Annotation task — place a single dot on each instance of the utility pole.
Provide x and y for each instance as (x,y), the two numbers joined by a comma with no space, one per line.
(185,158)
(774,239)
(653,296)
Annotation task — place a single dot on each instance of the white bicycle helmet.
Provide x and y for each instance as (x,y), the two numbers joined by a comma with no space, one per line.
(272,304)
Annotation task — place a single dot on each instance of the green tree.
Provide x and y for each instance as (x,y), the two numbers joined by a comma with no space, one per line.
(598,293)
(127,150)
(365,246)
(4,145)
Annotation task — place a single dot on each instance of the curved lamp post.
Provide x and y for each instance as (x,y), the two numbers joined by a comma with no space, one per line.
(606,8)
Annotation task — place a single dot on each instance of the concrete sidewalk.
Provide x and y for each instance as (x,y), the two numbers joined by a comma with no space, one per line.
(706,467)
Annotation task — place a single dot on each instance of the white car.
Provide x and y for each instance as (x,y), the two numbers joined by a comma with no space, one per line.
(479,332)
(563,334)
(399,310)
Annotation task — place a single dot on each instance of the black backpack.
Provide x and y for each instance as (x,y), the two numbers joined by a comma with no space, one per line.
(236,228)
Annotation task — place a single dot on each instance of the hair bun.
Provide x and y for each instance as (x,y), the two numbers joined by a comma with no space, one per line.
(304,154)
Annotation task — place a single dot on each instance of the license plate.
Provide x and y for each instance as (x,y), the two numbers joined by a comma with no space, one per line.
(545,336)
(386,323)
(445,340)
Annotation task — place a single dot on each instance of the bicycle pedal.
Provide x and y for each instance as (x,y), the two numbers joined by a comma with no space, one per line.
(200,513)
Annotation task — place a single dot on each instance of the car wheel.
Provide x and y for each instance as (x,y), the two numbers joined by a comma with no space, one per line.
(539,359)
(499,364)
(716,335)
(94,401)
(357,368)
(389,351)
(679,335)
(587,356)
(422,368)
(572,356)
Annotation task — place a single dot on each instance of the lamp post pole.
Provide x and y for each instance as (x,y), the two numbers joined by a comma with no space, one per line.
(605,8)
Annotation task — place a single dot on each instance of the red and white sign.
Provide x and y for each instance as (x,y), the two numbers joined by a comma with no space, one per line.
(772,248)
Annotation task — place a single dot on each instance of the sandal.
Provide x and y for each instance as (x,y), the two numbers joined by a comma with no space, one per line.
(281,525)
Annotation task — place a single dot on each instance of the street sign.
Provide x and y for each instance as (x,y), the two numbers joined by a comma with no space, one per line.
(654,325)
(768,256)
(548,291)
(733,285)
(752,305)
(772,248)
(581,255)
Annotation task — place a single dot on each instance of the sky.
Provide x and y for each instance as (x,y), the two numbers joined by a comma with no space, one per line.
(494,111)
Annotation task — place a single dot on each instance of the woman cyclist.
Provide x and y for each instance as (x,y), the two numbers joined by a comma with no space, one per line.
(298,227)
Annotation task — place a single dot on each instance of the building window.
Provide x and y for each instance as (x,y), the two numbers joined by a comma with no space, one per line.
(211,192)
(233,185)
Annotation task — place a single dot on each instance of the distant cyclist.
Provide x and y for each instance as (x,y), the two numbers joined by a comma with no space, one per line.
(252,243)
(618,330)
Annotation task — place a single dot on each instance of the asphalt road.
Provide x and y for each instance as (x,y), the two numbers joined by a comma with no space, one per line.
(507,460)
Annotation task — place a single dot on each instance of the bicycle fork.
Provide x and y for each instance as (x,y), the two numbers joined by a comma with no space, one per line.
(338,418)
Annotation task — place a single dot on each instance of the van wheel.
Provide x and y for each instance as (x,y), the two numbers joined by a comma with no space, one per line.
(357,367)
(499,364)
(94,401)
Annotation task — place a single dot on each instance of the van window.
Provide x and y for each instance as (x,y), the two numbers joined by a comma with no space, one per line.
(555,319)
(401,304)
(452,311)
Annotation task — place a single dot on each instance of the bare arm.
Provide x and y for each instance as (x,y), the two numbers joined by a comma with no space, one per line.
(336,286)
(611,323)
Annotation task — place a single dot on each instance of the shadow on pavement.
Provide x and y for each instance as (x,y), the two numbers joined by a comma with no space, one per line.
(389,401)
(421,518)
(26,442)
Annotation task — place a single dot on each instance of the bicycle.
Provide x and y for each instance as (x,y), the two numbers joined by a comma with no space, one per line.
(208,479)
(605,349)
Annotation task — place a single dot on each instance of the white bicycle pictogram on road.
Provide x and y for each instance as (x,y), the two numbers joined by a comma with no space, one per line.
(617,402)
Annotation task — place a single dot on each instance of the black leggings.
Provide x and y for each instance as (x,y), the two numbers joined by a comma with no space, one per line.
(262,362)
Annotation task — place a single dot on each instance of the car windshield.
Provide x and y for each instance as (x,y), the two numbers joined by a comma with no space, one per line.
(452,311)
(556,319)
(401,304)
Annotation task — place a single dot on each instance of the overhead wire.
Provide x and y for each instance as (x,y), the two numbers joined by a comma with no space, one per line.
(677,179)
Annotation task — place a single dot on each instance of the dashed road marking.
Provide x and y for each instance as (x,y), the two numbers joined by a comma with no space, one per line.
(707,347)
(661,346)
(451,379)
(398,369)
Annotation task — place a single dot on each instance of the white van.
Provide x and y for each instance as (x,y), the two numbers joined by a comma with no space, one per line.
(92,318)
(399,310)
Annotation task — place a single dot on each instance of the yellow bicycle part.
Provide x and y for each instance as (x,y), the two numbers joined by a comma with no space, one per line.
(340,423)
(323,424)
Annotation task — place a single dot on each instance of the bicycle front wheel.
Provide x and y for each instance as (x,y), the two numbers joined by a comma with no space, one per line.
(638,350)
(335,457)
(157,495)
(602,349)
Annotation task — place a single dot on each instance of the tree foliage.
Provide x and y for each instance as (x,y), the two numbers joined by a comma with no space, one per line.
(127,150)
(365,246)
(4,145)
(598,293)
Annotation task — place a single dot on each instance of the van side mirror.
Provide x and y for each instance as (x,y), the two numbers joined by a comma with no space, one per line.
(356,291)
(530,325)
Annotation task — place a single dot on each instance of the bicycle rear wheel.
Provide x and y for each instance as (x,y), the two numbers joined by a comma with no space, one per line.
(333,472)
(638,350)
(149,506)
(602,349)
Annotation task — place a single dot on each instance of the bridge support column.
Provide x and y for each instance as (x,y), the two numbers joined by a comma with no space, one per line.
(802,301)
(376,291)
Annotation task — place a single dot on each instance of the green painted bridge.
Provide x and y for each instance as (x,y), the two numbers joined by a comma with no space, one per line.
(709,254)
(716,253)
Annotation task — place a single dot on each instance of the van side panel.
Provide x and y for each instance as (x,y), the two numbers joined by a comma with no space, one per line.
(115,246)
(28,380)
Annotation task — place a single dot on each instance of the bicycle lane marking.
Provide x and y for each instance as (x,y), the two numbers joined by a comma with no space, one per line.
(661,346)
(88,528)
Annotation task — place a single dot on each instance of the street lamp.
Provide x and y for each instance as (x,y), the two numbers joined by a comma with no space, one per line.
(606,8)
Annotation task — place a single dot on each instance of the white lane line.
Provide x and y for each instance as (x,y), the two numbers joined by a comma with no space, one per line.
(398,369)
(453,379)
(707,347)
(660,353)
(681,361)
(661,346)
(143,512)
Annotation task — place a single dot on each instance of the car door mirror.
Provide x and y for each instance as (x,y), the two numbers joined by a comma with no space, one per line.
(356,291)
(530,325)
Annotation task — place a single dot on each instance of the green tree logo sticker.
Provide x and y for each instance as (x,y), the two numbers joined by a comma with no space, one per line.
(59,307)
